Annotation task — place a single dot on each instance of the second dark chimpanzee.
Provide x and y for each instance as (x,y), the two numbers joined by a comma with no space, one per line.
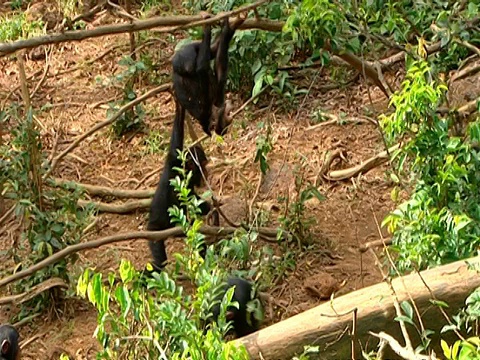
(243,322)
(9,343)
(198,89)
(165,196)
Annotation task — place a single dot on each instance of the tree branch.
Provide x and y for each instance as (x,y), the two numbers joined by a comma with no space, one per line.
(147,235)
(178,23)
(33,292)
(125,208)
(101,125)
(103,191)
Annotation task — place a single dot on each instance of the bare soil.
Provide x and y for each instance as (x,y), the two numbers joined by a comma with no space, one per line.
(343,222)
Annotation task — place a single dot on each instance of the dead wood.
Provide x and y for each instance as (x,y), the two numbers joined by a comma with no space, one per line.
(103,191)
(125,208)
(470,70)
(327,163)
(33,292)
(332,321)
(171,24)
(364,68)
(136,235)
(375,243)
(469,108)
(387,62)
(363,168)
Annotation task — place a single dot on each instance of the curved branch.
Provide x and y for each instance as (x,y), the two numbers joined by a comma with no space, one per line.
(33,292)
(125,208)
(101,125)
(103,191)
(179,22)
(362,168)
(147,235)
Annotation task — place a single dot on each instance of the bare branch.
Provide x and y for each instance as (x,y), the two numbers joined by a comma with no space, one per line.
(96,190)
(399,350)
(147,235)
(363,168)
(33,292)
(125,208)
(177,22)
(101,125)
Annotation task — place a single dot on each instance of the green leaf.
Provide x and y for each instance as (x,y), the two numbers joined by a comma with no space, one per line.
(405,319)
(446,349)
(407,309)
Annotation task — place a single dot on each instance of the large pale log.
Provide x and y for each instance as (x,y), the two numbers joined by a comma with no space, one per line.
(375,312)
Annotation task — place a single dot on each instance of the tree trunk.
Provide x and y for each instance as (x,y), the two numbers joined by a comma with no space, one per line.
(329,327)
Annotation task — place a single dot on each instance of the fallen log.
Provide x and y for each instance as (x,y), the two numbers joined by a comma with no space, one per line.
(329,325)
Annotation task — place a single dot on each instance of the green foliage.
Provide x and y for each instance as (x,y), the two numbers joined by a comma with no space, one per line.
(466,319)
(316,21)
(264,146)
(161,321)
(132,118)
(306,352)
(50,222)
(439,223)
(17,4)
(156,142)
(134,323)
(468,349)
(16,27)
(356,26)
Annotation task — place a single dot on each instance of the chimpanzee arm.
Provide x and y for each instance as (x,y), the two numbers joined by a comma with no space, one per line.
(221,65)
(221,60)
(203,58)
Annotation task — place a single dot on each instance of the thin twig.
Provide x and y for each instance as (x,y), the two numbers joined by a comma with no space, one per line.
(178,23)
(101,125)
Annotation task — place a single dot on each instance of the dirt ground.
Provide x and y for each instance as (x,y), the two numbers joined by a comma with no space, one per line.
(343,222)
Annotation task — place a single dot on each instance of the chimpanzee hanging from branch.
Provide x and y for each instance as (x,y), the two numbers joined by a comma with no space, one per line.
(199,89)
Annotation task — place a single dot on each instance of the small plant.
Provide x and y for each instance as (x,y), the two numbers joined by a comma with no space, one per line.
(438,224)
(264,146)
(17,27)
(156,142)
(69,8)
(466,320)
(468,349)
(319,116)
(295,220)
(131,119)
(306,352)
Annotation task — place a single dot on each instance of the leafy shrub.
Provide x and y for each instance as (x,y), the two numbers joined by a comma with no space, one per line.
(439,223)
(50,216)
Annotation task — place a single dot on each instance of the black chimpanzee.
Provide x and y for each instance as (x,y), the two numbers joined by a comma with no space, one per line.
(199,89)
(9,348)
(244,322)
(165,195)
